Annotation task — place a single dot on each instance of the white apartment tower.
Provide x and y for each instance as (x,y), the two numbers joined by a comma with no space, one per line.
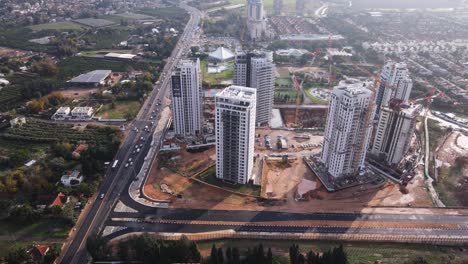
(395,83)
(235,134)
(348,130)
(393,133)
(187,98)
(256,70)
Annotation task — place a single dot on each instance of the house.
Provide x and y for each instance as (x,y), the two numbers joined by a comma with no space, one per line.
(18,121)
(38,252)
(60,200)
(76,154)
(71,179)
(82,113)
(61,113)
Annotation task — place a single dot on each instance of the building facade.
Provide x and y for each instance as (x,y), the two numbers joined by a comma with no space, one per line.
(277,7)
(235,133)
(187,98)
(395,83)
(393,133)
(256,22)
(256,70)
(348,130)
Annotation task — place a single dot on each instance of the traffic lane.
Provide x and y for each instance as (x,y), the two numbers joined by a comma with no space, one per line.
(263,216)
(199,228)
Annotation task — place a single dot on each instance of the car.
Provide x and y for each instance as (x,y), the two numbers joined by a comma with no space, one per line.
(138,150)
(131,163)
(141,145)
(126,164)
(102,195)
(130,159)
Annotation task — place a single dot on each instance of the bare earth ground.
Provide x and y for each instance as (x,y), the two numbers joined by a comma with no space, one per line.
(77,93)
(286,179)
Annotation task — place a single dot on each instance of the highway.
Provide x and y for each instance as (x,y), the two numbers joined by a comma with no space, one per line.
(118,178)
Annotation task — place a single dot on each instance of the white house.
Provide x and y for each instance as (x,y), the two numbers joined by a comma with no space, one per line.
(82,113)
(61,113)
(72,179)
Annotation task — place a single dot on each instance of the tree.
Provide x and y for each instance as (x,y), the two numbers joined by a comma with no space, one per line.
(229,255)
(235,256)
(54,252)
(45,67)
(97,247)
(17,255)
(23,214)
(220,255)
(269,259)
(214,255)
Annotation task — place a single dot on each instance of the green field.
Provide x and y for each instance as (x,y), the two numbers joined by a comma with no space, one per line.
(216,78)
(77,65)
(283,82)
(166,12)
(94,53)
(9,96)
(358,253)
(60,26)
(436,133)
(123,109)
(209,176)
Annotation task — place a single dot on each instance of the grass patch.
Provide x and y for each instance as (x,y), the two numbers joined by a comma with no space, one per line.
(166,12)
(216,78)
(41,229)
(284,82)
(436,133)
(358,253)
(60,26)
(106,38)
(314,99)
(285,96)
(122,109)
(209,176)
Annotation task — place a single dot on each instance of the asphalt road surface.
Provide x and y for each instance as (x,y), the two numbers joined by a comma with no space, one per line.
(118,178)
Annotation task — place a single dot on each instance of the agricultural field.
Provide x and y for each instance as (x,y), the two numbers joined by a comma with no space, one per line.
(134,16)
(106,38)
(9,97)
(60,26)
(166,12)
(122,109)
(40,131)
(285,96)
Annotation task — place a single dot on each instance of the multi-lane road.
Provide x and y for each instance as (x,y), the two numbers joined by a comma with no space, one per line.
(118,178)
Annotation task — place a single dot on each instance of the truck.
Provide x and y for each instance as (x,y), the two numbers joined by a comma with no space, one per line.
(114,165)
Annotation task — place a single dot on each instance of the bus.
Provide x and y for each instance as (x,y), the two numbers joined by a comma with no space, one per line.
(114,165)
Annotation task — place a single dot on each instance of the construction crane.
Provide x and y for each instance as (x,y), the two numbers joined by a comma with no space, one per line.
(315,56)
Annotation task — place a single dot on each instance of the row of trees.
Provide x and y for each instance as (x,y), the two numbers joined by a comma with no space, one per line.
(147,249)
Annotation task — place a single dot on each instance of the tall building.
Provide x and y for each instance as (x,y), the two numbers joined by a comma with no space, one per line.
(255,16)
(187,98)
(300,5)
(395,83)
(235,133)
(394,131)
(348,130)
(277,7)
(256,70)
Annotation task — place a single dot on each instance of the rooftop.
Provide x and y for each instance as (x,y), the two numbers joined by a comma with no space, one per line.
(222,54)
(126,56)
(91,77)
(238,92)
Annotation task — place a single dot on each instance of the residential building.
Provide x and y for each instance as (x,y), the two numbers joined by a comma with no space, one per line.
(71,179)
(348,129)
(235,133)
(256,23)
(277,7)
(300,5)
(62,113)
(82,113)
(395,83)
(187,98)
(393,132)
(256,70)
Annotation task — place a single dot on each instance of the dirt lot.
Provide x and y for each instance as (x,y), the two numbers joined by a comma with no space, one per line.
(78,93)
(452,182)
(287,178)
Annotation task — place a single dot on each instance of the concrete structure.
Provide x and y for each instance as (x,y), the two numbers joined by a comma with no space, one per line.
(120,56)
(82,113)
(277,7)
(395,83)
(221,54)
(347,130)
(256,70)
(187,98)
(62,113)
(256,22)
(300,5)
(393,133)
(18,121)
(93,78)
(235,134)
